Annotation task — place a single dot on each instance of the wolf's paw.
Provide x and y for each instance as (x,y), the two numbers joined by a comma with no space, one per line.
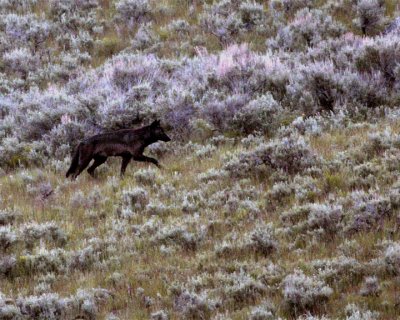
(159,166)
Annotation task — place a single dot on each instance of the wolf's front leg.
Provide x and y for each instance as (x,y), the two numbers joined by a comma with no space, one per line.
(98,160)
(125,162)
(143,158)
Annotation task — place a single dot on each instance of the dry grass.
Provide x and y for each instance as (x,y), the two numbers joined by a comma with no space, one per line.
(146,267)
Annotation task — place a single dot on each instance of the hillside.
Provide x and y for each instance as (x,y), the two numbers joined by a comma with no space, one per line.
(279,195)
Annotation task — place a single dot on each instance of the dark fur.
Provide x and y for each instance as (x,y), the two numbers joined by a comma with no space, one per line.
(126,143)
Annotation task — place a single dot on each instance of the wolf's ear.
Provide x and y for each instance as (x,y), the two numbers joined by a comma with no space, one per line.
(155,123)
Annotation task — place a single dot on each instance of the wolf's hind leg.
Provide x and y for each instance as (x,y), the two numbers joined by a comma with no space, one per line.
(98,160)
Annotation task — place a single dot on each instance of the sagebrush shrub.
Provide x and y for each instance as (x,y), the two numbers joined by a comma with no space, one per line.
(304,293)
(159,315)
(135,197)
(192,305)
(261,114)
(392,258)
(353,312)
(308,28)
(179,26)
(261,312)
(263,240)
(178,236)
(20,61)
(8,217)
(8,237)
(291,6)
(371,287)
(383,56)
(132,11)
(340,269)
(52,306)
(292,154)
(145,176)
(242,289)
(368,212)
(370,14)
(316,87)
(146,39)
(253,16)
(323,220)
(49,231)
(220,20)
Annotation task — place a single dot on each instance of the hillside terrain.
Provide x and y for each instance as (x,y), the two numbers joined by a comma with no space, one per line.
(278,196)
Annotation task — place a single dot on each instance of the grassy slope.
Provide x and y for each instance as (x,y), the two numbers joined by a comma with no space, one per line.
(148,268)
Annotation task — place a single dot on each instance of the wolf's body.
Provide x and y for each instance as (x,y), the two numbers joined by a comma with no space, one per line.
(126,143)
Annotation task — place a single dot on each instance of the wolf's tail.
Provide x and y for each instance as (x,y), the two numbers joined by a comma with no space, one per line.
(75,161)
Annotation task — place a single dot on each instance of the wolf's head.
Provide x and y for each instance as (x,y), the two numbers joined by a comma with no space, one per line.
(158,132)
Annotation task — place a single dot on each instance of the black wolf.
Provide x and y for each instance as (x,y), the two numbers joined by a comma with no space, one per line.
(126,143)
